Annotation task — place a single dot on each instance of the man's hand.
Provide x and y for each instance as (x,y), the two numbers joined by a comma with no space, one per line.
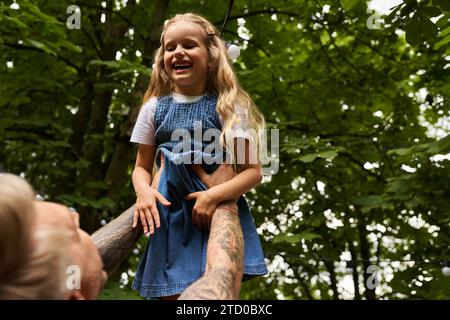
(222,174)
(205,205)
(206,201)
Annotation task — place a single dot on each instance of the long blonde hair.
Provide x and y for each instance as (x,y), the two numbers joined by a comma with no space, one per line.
(221,81)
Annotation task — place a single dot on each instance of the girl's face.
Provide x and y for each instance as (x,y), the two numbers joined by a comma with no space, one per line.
(186,57)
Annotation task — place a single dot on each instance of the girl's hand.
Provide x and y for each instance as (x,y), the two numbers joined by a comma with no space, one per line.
(146,210)
(205,205)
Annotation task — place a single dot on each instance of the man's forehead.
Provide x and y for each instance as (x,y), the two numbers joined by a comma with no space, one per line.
(52,213)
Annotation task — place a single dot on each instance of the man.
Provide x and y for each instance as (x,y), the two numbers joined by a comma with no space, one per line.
(45,242)
(40,243)
(85,261)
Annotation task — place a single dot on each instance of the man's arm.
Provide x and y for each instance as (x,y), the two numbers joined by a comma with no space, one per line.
(225,252)
(115,240)
(224,259)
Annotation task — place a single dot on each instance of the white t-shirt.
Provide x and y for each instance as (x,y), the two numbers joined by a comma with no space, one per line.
(144,129)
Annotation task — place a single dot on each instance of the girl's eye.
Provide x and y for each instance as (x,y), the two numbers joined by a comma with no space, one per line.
(190,46)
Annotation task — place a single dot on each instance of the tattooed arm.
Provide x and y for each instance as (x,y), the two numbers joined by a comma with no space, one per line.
(225,252)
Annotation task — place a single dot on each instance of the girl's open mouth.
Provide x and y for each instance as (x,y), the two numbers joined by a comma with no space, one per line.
(181,67)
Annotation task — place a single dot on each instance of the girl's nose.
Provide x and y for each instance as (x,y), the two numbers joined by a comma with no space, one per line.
(179,51)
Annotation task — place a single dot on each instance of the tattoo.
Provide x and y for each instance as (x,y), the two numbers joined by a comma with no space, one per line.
(222,276)
(217,284)
(229,237)
(115,240)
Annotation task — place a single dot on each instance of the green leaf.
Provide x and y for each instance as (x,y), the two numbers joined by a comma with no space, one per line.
(73,200)
(330,154)
(400,151)
(349,4)
(369,200)
(444,4)
(107,202)
(41,46)
(308,157)
(429,29)
(442,145)
(284,238)
(413,36)
(444,32)
(37,13)
(17,23)
(442,43)
(442,22)
(431,11)
(295,239)
(309,235)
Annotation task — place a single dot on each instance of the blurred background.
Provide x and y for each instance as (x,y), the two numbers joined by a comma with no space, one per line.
(359,91)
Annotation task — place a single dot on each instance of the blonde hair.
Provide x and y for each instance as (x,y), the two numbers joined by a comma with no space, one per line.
(32,259)
(221,81)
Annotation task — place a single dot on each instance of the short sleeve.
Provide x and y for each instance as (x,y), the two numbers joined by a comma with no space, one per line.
(144,129)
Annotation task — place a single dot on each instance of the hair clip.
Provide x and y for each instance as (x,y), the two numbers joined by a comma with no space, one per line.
(210,30)
(233,50)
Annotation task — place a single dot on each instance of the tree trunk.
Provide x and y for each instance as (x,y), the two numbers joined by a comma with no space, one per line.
(330,268)
(81,118)
(117,170)
(365,255)
(116,173)
(355,271)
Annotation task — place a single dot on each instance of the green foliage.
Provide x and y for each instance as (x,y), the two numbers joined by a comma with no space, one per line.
(349,4)
(360,113)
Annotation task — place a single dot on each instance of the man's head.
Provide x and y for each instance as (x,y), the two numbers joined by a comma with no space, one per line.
(83,253)
(16,219)
(56,243)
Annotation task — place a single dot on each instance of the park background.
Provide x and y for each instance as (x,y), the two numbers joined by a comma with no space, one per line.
(359,91)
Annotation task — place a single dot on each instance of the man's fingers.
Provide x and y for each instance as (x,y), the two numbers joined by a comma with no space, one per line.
(198,170)
(161,199)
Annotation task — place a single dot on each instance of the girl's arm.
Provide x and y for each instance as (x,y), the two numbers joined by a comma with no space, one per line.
(141,176)
(207,201)
(145,208)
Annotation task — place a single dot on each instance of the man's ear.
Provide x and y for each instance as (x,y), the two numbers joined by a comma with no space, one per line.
(76,295)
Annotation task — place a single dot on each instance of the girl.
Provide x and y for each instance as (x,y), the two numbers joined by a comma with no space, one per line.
(192,82)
